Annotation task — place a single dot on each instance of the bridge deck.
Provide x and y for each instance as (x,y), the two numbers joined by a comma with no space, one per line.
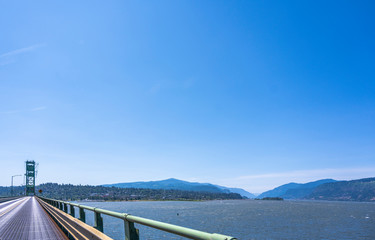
(24,218)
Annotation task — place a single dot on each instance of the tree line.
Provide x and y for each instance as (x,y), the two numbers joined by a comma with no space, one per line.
(71,192)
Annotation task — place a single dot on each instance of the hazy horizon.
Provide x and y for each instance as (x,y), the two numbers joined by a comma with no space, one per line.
(276,179)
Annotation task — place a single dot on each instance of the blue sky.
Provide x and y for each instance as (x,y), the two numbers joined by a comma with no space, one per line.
(250,94)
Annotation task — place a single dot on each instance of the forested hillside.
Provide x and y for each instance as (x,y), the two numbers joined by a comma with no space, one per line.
(79,192)
(355,190)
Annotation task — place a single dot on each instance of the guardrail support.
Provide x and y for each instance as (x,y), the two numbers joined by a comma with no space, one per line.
(131,233)
(72,210)
(65,208)
(82,215)
(98,222)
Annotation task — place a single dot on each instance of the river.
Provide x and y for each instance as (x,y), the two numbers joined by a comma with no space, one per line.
(249,219)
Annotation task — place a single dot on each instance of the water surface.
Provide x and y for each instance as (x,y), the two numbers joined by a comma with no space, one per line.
(249,219)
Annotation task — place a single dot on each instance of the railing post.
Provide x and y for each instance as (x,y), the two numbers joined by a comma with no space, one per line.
(98,221)
(65,208)
(131,233)
(72,211)
(82,215)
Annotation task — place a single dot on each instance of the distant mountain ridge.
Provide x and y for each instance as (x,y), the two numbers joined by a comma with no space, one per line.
(354,190)
(240,191)
(295,190)
(177,184)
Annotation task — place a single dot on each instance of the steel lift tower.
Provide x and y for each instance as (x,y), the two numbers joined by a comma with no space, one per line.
(30,178)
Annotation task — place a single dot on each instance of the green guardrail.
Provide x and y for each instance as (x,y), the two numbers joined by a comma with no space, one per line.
(131,233)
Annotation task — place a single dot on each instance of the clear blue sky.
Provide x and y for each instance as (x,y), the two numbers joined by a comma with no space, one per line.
(249,94)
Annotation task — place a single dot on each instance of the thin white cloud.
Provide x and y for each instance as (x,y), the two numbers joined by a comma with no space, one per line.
(21,50)
(10,57)
(311,173)
(258,183)
(155,88)
(11,112)
(25,110)
(38,109)
(188,83)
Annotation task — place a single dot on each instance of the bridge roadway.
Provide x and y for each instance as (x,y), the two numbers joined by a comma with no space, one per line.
(24,218)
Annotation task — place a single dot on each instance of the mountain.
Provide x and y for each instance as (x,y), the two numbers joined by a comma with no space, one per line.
(276,192)
(240,191)
(171,183)
(354,190)
(177,184)
(295,190)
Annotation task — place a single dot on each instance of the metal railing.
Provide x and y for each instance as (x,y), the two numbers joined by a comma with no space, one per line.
(5,199)
(131,233)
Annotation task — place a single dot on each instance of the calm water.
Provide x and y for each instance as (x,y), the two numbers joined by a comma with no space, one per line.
(247,219)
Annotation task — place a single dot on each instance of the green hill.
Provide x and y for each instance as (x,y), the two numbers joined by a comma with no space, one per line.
(177,184)
(355,190)
(294,190)
(79,192)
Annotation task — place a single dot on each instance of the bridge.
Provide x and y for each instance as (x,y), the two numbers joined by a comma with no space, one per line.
(38,218)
